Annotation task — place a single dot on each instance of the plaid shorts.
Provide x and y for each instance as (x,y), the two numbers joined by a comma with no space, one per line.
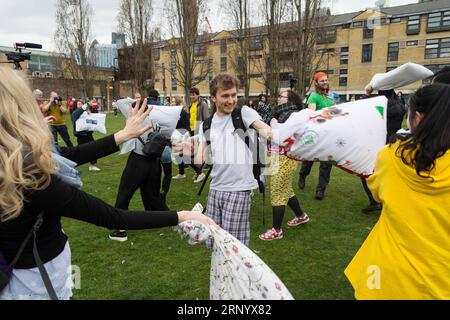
(230,210)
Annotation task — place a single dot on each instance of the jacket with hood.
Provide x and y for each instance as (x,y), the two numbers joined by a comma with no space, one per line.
(407,254)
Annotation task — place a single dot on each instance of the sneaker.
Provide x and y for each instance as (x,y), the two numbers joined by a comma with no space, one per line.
(301,183)
(179,177)
(94,168)
(298,221)
(119,235)
(200,178)
(272,234)
(372,208)
(320,194)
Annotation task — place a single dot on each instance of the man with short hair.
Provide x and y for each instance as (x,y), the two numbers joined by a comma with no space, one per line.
(232,175)
(317,101)
(56,107)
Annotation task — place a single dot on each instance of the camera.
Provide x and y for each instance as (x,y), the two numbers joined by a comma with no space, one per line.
(18,56)
(58,100)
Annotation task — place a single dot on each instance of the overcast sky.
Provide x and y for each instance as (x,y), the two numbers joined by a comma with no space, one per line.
(34,21)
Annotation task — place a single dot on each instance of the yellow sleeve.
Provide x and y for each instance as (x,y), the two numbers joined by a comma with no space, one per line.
(375,181)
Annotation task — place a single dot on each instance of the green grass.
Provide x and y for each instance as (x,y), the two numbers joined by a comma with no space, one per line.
(157,264)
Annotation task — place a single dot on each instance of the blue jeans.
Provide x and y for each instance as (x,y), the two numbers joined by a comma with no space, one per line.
(63,133)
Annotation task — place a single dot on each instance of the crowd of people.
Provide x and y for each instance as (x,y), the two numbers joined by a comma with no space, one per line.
(410,185)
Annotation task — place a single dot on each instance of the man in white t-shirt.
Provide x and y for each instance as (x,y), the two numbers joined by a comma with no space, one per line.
(229,199)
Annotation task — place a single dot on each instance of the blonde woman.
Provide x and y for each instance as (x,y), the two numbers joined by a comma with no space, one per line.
(31,187)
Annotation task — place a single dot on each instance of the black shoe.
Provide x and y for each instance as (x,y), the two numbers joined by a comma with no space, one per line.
(372,208)
(320,194)
(118,235)
(301,183)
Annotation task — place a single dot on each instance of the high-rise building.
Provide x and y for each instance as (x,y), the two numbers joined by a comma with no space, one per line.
(118,39)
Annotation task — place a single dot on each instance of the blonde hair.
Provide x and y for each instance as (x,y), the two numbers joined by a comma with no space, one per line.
(180,102)
(25,145)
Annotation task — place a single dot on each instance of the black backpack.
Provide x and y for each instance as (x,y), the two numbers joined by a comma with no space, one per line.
(257,150)
(6,269)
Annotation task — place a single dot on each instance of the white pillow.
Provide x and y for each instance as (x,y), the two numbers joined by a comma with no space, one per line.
(237,273)
(401,76)
(164,116)
(349,134)
(91,122)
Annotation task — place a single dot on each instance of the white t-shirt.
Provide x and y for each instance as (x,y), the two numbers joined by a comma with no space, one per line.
(232,159)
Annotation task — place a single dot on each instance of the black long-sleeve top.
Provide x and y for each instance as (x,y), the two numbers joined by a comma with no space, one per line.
(62,200)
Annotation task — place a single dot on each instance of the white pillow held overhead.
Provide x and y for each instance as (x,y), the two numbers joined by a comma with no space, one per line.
(401,76)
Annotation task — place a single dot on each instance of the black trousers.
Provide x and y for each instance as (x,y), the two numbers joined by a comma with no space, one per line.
(324,173)
(368,192)
(62,130)
(84,140)
(144,174)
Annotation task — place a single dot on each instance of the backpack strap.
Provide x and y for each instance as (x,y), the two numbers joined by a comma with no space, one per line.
(207,129)
(33,232)
(44,275)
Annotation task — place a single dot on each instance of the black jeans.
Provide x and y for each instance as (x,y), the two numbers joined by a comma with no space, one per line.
(62,130)
(144,174)
(324,173)
(368,192)
(84,140)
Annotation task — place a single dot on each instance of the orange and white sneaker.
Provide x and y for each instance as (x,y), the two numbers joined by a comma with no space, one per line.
(272,234)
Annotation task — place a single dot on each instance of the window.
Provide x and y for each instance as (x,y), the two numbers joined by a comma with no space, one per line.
(437,48)
(256,44)
(357,24)
(393,51)
(396,20)
(199,50)
(255,57)
(223,46)
(156,54)
(344,55)
(223,64)
(438,21)
(390,69)
(413,26)
(367,53)
(346,26)
(412,43)
(329,72)
(343,76)
(368,31)
(326,36)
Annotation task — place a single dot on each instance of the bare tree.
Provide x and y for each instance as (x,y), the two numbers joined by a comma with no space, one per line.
(239,11)
(309,22)
(188,48)
(275,14)
(134,21)
(73,38)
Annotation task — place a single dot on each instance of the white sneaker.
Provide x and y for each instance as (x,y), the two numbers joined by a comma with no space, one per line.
(94,168)
(179,177)
(200,178)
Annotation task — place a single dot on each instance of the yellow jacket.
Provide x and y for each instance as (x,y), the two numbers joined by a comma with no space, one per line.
(407,254)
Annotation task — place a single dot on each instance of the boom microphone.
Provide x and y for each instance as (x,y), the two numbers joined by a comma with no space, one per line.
(29,45)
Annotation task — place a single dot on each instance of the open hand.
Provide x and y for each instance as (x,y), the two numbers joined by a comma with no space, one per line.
(50,119)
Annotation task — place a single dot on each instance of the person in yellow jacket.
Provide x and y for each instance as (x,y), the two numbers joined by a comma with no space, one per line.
(407,254)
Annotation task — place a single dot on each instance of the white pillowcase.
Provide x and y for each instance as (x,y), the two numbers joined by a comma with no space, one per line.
(349,134)
(401,76)
(91,122)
